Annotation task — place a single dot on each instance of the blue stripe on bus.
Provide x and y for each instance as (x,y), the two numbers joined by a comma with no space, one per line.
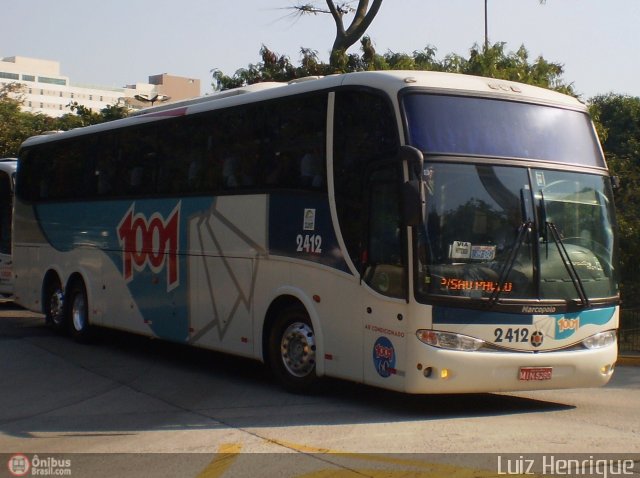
(95,224)
(449,315)
(299,226)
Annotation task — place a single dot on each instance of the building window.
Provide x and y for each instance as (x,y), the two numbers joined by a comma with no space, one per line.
(28,78)
(9,76)
(52,81)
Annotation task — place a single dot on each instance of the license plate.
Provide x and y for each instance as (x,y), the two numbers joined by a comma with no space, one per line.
(528,374)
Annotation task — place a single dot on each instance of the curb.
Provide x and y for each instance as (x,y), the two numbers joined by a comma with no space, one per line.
(630,360)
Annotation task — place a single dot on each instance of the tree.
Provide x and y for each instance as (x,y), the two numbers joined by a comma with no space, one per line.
(16,125)
(494,62)
(617,119)
(345,37)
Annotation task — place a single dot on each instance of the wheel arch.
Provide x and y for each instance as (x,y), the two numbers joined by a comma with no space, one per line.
(290,298)
(75,277)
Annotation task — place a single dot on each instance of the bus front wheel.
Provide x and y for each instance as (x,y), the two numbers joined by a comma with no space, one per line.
(292,350)
(78,311)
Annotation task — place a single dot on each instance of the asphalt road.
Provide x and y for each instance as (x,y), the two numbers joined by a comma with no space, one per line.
(130,406)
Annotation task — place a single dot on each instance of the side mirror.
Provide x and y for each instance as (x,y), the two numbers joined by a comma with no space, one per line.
(414,159)
(413,198)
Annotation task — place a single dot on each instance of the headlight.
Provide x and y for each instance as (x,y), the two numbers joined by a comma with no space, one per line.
(449,340)
(603,339)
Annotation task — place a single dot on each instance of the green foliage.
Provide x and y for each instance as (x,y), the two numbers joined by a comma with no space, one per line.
(617,119)
(273,67)
(492,62)
(16,125)
(619,116)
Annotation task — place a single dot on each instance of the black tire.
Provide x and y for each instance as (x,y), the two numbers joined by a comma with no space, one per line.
(53,304)
(77,312)
(292,350)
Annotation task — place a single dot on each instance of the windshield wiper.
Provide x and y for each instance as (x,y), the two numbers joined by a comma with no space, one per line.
(568,264)
(523,230)
(564,255)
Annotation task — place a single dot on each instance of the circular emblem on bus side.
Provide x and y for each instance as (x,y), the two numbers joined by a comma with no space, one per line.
(384,357)
(536,338)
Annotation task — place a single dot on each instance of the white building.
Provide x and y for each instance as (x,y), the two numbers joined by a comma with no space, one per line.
(46,91)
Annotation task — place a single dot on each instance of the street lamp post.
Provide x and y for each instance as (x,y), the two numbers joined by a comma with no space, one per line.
(486,27)
(151,98)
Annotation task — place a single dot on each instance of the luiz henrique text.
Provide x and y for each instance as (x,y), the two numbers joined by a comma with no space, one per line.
(565,465)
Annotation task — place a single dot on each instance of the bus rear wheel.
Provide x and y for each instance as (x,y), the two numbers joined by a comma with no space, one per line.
(53,300)
(78,312)
(292,350)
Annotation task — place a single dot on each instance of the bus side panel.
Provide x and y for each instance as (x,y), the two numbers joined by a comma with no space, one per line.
(224,245)
(337,302)
(385,340)
(301,233)
(27,242)
(28,282)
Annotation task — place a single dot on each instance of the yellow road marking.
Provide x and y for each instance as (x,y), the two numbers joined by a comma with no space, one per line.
(425,468)
(227,454)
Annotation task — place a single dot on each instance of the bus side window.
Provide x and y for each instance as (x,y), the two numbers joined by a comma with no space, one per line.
(384,268)
(365,132)
(293,149)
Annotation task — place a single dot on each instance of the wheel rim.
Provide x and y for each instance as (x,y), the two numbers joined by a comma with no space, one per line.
(298,349)
(56,306)
(78,313)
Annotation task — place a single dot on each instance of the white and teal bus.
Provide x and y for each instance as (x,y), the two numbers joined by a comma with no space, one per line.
(416,231)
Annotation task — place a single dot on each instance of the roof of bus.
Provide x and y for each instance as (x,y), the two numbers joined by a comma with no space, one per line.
(459,83)
(389,81)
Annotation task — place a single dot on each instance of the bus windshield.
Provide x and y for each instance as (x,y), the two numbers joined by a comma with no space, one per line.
(457,125)
(488,234)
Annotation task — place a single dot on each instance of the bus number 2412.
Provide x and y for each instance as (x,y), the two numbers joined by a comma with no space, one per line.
(511,335)
(309,243)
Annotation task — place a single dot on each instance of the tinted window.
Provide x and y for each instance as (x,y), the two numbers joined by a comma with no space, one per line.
(487,127)
(252,148)
(364,133)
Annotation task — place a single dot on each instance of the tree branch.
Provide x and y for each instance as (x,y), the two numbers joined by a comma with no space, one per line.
(337,18)
(361,21)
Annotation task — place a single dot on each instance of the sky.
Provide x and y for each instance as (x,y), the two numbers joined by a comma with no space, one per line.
(118,42)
